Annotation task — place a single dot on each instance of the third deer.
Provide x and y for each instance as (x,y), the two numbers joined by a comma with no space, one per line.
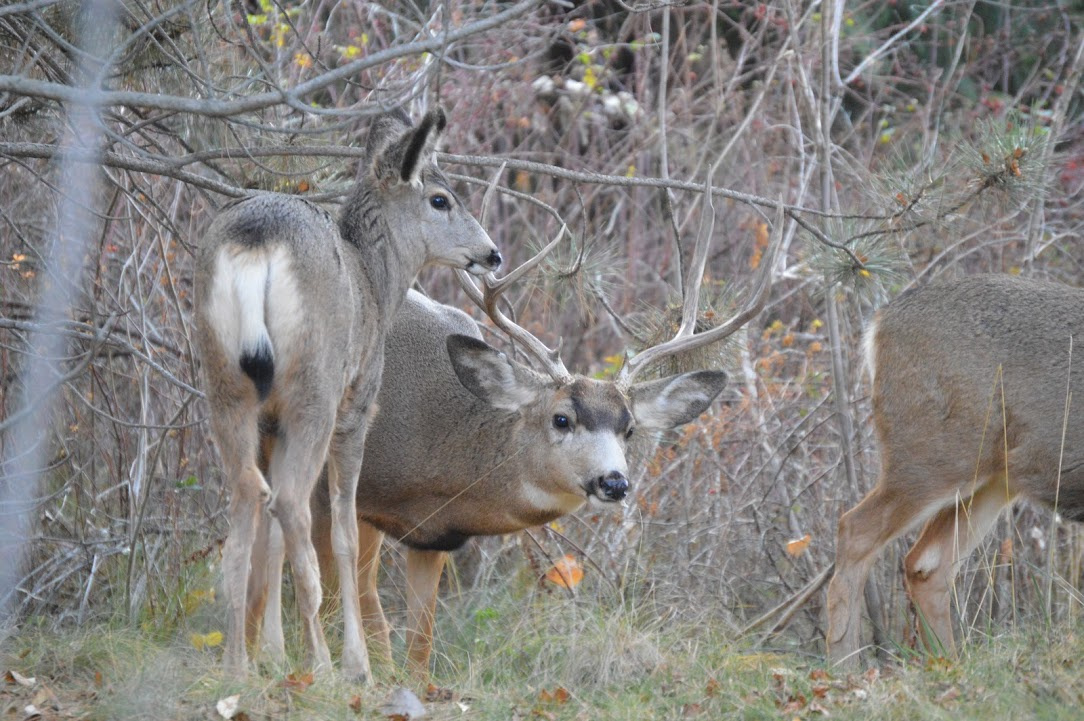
(975,402)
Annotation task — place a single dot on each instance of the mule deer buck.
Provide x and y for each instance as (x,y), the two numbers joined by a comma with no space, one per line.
(469,442)
(972,391)
(291,314)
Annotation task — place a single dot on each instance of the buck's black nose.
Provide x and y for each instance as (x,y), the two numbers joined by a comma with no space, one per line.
(494,260)
(614,485)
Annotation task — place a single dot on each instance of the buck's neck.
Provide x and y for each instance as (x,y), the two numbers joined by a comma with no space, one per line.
(387,262)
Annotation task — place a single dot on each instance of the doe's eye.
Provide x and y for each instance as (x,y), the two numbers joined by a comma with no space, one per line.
(561,421)
(440,202)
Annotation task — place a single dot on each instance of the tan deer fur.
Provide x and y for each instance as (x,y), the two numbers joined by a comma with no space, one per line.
(291,313)
(466,445)
(976,400)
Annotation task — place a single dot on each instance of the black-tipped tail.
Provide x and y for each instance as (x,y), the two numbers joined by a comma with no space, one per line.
(259,365)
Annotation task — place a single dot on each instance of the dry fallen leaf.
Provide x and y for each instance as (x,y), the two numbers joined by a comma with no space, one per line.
(355,703)
(15,677)
(227,707)
(798,545)
(298,682)
(566,573)
(434,693)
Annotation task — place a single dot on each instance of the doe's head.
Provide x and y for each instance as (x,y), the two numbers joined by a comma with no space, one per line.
(417,198)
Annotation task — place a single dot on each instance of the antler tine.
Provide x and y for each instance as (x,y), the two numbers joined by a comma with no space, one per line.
(500,284)
(487,299)
(685,339)
(487,197)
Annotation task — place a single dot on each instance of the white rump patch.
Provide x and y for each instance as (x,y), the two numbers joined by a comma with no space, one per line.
(254,299)
(869,348)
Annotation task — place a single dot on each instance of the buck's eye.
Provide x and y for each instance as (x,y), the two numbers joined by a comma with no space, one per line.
(440,202)
(561,421)
(628,433)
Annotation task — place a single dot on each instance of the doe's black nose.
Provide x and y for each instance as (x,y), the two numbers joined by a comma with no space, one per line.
(614,485)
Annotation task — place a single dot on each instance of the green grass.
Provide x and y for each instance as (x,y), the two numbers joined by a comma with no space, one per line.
(520,653)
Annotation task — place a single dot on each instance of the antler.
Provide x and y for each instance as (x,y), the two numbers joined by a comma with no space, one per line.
(685,339)
(487,299)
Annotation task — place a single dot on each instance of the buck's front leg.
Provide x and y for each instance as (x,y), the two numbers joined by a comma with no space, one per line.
(377,633)
(423,580)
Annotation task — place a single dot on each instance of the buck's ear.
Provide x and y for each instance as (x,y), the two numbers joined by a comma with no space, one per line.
(400,158)
(674,401)
(490,375)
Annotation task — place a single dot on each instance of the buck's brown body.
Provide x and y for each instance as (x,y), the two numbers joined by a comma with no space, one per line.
(977,399)
(443,464)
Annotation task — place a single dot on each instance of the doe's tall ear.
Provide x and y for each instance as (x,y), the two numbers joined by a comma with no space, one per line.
(676,400)
(490,375)
(401,158)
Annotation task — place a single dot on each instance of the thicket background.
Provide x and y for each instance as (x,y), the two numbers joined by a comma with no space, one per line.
(909,142)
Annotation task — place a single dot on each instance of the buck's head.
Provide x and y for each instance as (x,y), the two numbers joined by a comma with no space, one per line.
(588,423)
(418,201)
(579,427)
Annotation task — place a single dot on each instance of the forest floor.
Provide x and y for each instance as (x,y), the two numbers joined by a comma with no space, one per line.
(550,659)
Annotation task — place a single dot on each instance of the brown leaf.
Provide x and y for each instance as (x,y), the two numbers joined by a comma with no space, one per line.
(438,694)
(713,687)
(355,703)
(691,709)
(819,674)
(566,572)
(297,683)
(797,546)
(795,704)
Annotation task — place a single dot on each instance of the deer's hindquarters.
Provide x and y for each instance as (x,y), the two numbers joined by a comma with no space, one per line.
(974,403)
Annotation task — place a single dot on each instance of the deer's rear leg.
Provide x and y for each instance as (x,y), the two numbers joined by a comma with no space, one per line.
(343,470)
(886,512)
(932,562)
(295,465)
(235,434)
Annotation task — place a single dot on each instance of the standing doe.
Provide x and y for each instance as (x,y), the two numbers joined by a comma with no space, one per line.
(470,443)
(291,314)
(973,396)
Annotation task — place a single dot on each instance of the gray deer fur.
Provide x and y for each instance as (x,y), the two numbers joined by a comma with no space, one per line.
(946,359)
(465,444)
(291,314)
